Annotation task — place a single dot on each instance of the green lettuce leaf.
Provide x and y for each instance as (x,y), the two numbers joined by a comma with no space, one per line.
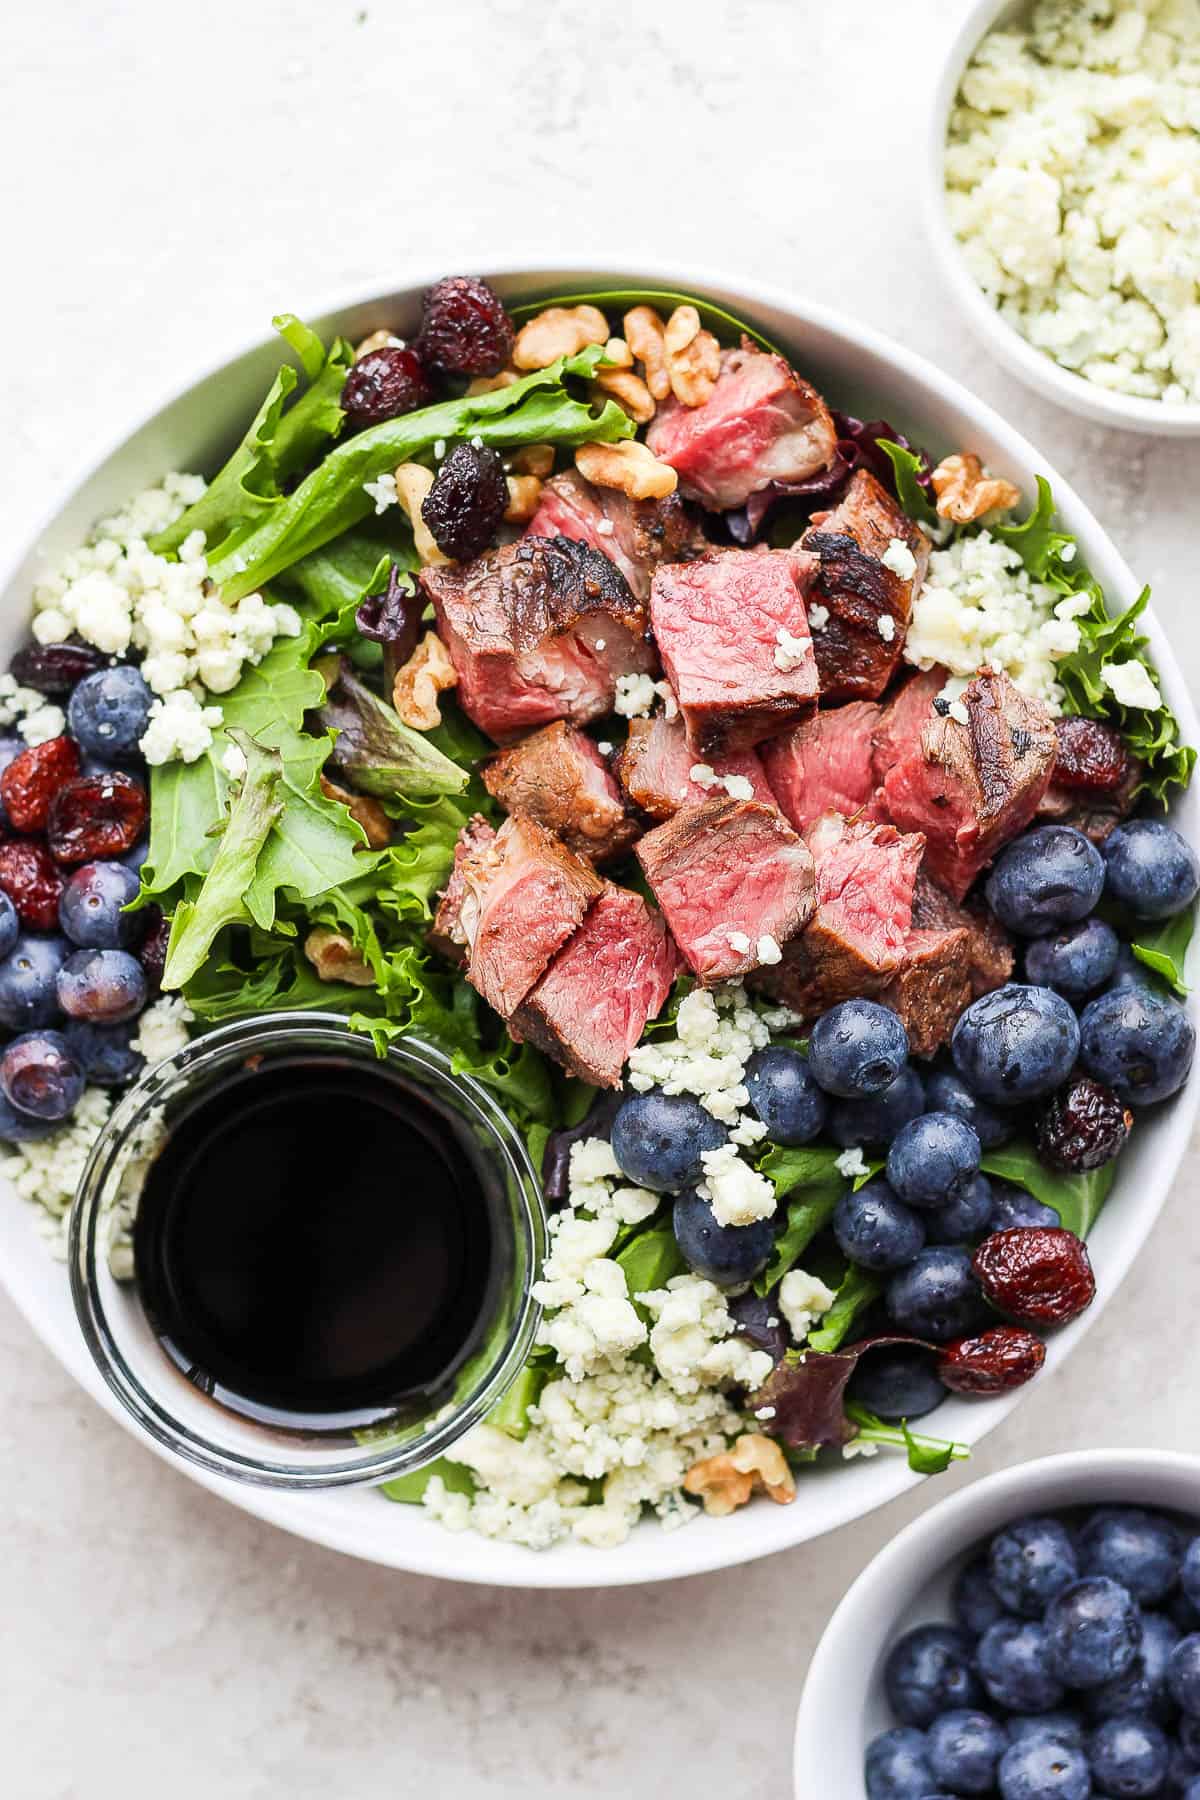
(1163,948)
(511,1411)
(648,1261)
(1077,1199)
(911,495)
(858,1290)
(379,753)
(811,1165)
(409,1490)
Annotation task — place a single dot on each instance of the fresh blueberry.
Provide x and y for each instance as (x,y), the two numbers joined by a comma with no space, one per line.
(1142,1688)
(22,1128)
(1138,1042)
(897,1383)
(965,1217)
(1016,1043)
(1139,1549)
(103,1052)
(1150,869)
(784,1095)
(897,1766)
(1189,1738)
(28,982)
(933,1159)
(1183,1776)
(878,1118)
(947,1092)
(1183,1675)
(1129,1756)
(1013,1659)
(108,711)
(1034,1769)
(1048,877)
(1075,961)
(10,925)
(756,1317)
(1030,1562)
(964,1748)
(1046,1728)
(974,1600)
(39,1075)
(726,1255)
(1093,1629)
(104,986)
(1189,1572)
(937,1296)
(1183,1612)
(875,1229)
(857,1048)
(928,1671)
(1012,1206)
(658,1140)
(90,909)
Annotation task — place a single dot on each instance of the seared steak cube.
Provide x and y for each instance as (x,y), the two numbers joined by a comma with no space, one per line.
(868,602)
(538,630)
(824,765)
(988,951)
(733,635)
(761,423)
(637,535)
(931,987)
(735,883)
(524,895)
(655,769)
(592,1004)
(446,934)
(560,779)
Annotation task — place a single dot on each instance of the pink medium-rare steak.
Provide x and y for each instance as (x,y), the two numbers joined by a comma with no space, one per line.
(727,875)
(446,934)
(655,768)
(524,895)
(972,786)
(591,1006)
(538,630)
(761,423)
(559,778)
(868,603)
(988,950)
(733,635)
(931,987)
(636,535)
(898,729)
(824,765)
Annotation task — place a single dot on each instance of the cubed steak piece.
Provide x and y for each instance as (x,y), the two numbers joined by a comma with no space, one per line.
(735,882)
(761,423)
(593,1003)
(931,987)
(524,895)
(734,640)
(655,769)
(824,765)
(873,561)
(560,779)
(637,535)
(446,934)
(973,778)
(988,949)
(1095,780)
(538,630)
(901,722)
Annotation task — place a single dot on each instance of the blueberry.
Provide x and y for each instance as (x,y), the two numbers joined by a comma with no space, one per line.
(1137,1042)
(1183,1675)
(1049,876)
(10,925)
(104,986)
(1189,1572)
(1046,1728)
(22,1128)
(28,982)
(1150,869)
(1093,1629)
(964,1749)
(1129,1756)
(875,1229)
(785,1096)
(1189,1738)
(1183,1777)
(756,1317)
(108,712)
(933,1159)
(1076,960)
(1139,1549)
(964,1218)
(897,1383)
(90,909)
(897,1766)
(857,1048)
(1036,1769)
(1016,1043)
(1142,1688)
(1183,1612)
(103,1052)
(1013,1659)
(1012,1206)
(726,1255)
(937,1296)
(39,1075)
(1030,1562)
(658,1140)
(974,1600)
(878,1118)
(947,1092)
(928,1671)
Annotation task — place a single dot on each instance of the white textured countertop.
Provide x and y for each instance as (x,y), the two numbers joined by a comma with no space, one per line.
(170,179)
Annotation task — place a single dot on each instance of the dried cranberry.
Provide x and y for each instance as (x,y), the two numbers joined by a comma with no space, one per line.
(384,384)
(32,883)
(1039,1274)
(32,779)
(153,952)
(1084,1125)
(96,816)
(1090,755)
(464,329)
(55,668)
(996,1361)
(467,501)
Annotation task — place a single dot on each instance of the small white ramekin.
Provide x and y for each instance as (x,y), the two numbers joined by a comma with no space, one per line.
(1032,366)
(843,1705)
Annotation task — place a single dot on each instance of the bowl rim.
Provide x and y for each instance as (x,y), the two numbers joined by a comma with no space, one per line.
(691,1552)
(1127,412)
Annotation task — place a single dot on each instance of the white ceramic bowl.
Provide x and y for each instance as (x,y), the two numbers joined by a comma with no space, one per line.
(1017,354)
(864,373)
(843,1704)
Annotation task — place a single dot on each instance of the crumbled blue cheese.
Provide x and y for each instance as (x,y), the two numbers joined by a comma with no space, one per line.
(791,651)
(42,723)
(635,696)
(851,1163)
(716,1034)
(1132,684)
(899,559)
(885,625)
(738,787)
(740,942)
(818,617)
(767,950)
(180,729)
(163,1029)
(738,1194)
(803,1299)
(383,492)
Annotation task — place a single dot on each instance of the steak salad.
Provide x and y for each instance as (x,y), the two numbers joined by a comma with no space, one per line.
(771,817)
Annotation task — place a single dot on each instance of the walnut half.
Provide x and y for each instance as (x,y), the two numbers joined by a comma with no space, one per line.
(364,811)
(964,492)
(334,957)
(558,331)
(417,685)
(413,482)
(726,1481)
(628,466)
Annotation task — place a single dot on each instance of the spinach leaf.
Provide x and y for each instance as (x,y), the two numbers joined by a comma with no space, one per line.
(1163,948)
(410,1489)
(1077,1199)
(807,1166)
(857,1291)
(807,1214)
(723,325)
(649,1260)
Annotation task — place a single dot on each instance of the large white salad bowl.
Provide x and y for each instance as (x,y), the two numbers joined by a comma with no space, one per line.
(862,372)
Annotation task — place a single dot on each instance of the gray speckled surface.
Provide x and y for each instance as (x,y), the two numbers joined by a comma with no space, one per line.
(177,177)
